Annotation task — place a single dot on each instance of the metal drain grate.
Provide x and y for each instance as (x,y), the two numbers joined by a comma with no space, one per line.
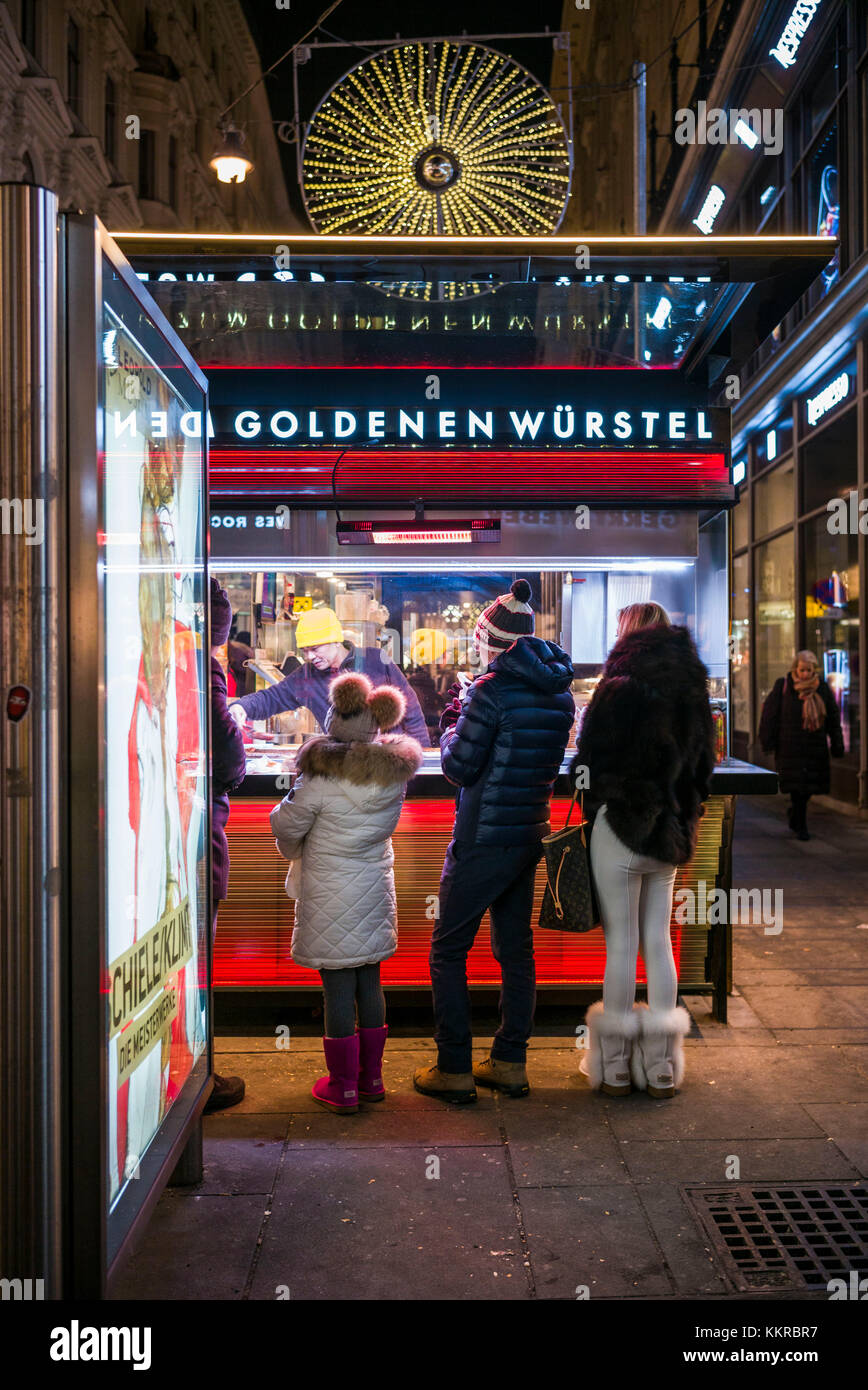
(798,1236)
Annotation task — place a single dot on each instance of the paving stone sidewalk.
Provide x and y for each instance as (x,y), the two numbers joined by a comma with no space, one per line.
(565,1190)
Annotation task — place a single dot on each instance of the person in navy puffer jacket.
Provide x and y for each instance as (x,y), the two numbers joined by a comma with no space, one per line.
(502,745)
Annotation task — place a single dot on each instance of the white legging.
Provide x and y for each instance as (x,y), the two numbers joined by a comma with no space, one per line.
(635,896)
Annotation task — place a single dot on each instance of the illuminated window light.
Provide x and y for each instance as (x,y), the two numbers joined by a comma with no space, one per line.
(714,201)
(739,471)
(661,313)
(771,445)
(746,135)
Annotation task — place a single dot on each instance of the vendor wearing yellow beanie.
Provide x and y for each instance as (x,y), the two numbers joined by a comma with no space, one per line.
(320,642)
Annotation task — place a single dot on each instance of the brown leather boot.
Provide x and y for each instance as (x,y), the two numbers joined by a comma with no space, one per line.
(455,1087)
(509,1077)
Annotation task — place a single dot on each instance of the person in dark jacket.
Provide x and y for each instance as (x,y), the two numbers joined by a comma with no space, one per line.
(646,755)
(228,766)
(319,638)
(502,746)
(800,719)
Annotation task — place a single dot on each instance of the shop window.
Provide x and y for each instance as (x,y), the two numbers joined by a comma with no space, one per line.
(773,500)
(775,632)
(73,66)
(173,171)
(29,25)
(148,164)
(832,617)
(824,197)
(828,462)
(772,444)
(740,656)
(822,90)
(111,121)
(740,527)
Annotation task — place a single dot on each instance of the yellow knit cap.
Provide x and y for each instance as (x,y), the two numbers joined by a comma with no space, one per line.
(318,626)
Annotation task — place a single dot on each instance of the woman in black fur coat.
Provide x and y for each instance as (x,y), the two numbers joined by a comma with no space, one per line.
(645,755)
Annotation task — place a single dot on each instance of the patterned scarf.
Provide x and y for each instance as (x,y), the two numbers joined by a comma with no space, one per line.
(813,709)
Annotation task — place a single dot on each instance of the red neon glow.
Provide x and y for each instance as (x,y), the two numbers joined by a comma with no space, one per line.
(254,925)
(626,476)
(420,537)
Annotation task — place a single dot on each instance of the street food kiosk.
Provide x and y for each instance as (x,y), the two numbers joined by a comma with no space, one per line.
(399,428)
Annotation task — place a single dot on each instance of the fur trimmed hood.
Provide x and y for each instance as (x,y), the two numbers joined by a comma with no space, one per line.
(395,758)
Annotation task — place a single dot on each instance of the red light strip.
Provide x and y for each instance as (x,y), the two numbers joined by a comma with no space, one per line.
(626,476)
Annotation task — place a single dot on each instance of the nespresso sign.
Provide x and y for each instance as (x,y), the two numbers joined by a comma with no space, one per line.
(554,409)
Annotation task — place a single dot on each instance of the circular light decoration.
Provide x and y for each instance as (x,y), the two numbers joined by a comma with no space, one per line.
(439,139)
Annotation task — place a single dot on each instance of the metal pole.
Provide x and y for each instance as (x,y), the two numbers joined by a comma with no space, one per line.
(640,214)
(639,177)
(30,773)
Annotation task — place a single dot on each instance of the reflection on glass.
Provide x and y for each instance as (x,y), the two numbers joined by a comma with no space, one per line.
(424,623)
(775,612)
(773,499)
(740,661)
(155,752)
(832,617)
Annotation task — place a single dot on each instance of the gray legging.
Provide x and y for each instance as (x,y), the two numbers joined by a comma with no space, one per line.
(344,991)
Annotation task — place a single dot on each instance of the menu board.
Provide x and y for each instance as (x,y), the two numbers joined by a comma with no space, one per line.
(155,732)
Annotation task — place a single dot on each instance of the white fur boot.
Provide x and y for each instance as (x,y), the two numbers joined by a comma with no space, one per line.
(658,1059)
(607,1058)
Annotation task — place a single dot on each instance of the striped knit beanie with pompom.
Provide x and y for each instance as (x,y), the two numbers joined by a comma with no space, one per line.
(509,617)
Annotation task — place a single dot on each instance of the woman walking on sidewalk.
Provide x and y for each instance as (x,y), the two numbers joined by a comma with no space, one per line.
(800,719)
(647,750)
(336,826)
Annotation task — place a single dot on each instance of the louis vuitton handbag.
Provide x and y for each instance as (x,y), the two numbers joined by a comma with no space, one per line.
(569,902)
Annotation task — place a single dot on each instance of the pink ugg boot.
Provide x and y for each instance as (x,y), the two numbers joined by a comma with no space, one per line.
(339,1091)
(372,1042)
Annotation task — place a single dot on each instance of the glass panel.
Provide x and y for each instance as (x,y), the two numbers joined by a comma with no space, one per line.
(493,317)
(824,211)
(828,462)
(775,612)
(773,443)
(741,654)
(419,626)
(740,521)
(773,500)
(155,751)
(832,617)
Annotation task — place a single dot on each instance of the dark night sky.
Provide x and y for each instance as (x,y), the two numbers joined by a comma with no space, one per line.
(275,30)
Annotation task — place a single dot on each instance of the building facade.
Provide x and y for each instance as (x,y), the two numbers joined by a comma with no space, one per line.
(680,44)
(114,105)
(799,69)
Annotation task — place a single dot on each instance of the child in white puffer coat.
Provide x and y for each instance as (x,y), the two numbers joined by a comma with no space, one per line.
(336,826)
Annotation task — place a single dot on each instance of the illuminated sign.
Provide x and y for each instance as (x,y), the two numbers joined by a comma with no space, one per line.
(714,201)
(787,47)
(453,408)
(830,396)
(532,426)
